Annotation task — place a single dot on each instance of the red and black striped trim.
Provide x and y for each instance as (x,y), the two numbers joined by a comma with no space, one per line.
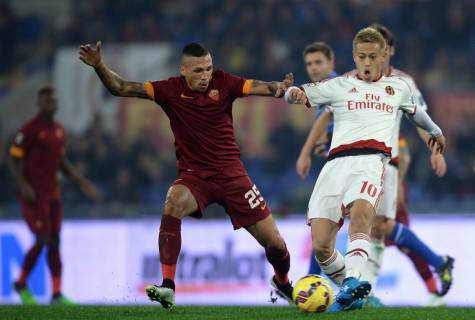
(358,148)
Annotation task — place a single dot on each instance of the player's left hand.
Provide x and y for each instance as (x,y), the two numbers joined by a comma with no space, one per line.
(90,191)
(437,143)
(438,163)
(284,85)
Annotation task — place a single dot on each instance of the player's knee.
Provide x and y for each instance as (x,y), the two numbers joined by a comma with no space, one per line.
(41,240)
(276,244)
(378,229)
(174,206)
(54,240)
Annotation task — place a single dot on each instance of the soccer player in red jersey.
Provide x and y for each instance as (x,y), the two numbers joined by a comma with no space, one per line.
(199,106)
(37,154)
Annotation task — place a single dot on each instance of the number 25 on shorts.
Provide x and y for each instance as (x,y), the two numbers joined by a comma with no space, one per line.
(254,197)
(370,189)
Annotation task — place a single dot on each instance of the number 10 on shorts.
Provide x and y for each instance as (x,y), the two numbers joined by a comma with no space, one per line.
(254,197)
(370,189)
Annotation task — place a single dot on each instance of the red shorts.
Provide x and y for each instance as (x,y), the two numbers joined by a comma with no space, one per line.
(45,216)
(232,189)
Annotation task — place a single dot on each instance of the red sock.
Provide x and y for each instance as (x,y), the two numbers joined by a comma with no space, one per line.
(169,245)
(280,260)
(55,266)
(29,262)
(431,285)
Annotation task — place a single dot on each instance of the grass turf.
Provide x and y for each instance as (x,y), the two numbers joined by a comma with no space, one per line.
(221,313)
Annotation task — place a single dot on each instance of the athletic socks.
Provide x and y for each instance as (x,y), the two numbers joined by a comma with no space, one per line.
(334,267)
(280,261)
(55,266)
(28,264)
(404,237)
(375,258)
(357,255)
(169,245)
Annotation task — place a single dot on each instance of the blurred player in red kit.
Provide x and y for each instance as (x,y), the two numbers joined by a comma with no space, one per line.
(37,154)
(199,106)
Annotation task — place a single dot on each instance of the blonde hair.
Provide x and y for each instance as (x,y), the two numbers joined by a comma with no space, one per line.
(369,35)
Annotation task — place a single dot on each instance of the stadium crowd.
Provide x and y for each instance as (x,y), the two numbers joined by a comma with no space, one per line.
(264,39)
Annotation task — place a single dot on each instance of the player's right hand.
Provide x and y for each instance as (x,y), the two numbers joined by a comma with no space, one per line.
(296,95)
(303,165)
(89,55)
(28,194)
(437,143)
(438,163)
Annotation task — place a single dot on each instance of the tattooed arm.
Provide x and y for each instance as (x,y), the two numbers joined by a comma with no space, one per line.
(274,88)
(111,80)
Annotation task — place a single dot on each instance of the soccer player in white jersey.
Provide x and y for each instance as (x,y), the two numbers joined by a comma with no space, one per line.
(365,110)
(385,225)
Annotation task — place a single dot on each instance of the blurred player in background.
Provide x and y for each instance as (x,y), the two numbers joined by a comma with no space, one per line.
(319,60)
(37,154)
(199,106)
(365,109)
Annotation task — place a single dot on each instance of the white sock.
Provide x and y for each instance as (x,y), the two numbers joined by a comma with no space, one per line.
(334,267)
(357,255)
(375,258)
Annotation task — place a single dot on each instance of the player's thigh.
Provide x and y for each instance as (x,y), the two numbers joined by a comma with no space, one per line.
(242,201)
(325,202)
(266,233)
(180,201)
(388,202)
(324,232)
(36,216)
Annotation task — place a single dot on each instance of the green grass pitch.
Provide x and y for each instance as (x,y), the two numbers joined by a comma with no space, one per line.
(222,313)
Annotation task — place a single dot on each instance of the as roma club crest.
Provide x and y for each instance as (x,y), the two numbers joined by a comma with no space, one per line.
(390,90)
(214,94)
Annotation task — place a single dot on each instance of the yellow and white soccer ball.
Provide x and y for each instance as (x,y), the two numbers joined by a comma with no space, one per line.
(313,294)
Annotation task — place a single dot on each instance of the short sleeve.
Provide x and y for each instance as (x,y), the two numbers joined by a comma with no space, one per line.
(408,103)
(419,99)
(159,91)
(319,93)
(237,86)
(21,143)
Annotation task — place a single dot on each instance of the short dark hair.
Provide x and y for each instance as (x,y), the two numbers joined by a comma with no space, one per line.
(319,46)
(385,32)
(194,49)
(45,90)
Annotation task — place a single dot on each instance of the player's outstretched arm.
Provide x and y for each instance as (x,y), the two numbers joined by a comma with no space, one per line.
(319,128)
(111,80)
(84,184)
(273,88)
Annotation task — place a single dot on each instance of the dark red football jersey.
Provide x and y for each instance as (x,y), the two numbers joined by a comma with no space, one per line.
(41,146)
(202,123)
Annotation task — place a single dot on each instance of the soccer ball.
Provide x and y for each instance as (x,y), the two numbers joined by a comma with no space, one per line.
(313,294)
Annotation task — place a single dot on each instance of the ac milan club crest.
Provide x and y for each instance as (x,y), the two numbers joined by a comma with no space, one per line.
(214,94)
(390,90)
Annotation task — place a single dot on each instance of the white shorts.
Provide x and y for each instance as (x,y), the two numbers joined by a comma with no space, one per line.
(387,206)
(344,180)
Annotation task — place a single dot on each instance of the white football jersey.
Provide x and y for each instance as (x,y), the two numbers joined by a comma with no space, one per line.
(365,113)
